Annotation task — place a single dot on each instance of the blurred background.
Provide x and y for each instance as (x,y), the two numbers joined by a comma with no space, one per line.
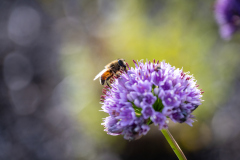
(50,51)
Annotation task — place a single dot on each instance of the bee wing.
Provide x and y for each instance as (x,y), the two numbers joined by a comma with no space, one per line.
(99,74)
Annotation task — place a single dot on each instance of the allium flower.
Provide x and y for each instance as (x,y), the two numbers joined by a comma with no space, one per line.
(227,13)
(149,93)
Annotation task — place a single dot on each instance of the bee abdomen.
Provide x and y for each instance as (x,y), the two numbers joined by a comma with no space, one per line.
(105,76)
(102,81)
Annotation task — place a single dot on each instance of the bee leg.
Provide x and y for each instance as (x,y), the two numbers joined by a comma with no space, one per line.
(108,85)
(125,68)
(107,80)
(117,74)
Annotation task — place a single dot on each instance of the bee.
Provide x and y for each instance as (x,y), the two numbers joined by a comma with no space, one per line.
(110,70)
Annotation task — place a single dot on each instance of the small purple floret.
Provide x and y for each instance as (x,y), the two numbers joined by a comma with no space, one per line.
(147,112)
(148,99)
(149,94)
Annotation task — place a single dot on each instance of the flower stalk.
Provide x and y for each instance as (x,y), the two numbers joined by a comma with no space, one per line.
(173,144)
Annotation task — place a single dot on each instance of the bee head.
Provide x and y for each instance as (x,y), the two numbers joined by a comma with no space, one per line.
(121,63)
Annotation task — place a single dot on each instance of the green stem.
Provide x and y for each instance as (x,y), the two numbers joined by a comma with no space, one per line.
(173,144)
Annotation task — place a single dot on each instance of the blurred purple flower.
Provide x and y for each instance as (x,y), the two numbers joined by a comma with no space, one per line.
(149,93)
(227,13)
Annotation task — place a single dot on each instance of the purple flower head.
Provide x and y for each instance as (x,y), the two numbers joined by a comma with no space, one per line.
(227,13)
(149,94)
